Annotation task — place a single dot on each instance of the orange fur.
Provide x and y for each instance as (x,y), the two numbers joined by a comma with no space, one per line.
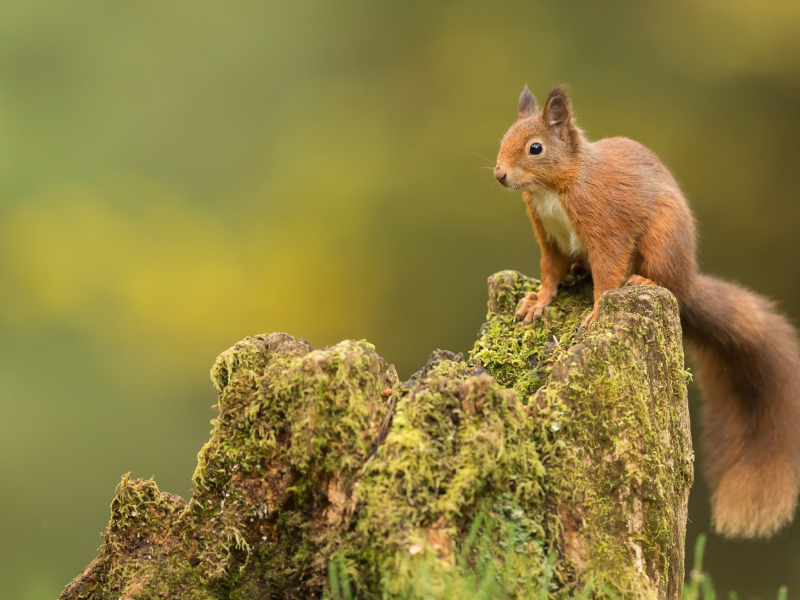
(631,223)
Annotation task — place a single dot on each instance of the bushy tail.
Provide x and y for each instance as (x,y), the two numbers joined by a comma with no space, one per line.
(747,362)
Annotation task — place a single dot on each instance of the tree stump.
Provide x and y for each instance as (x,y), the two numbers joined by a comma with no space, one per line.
(553,462)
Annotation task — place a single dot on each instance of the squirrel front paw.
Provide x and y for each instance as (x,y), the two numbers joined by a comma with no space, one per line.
(531,307)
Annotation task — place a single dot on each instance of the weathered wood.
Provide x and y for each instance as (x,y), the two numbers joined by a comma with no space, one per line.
(552,457)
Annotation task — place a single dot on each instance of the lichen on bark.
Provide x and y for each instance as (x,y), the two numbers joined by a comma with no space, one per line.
(552,457)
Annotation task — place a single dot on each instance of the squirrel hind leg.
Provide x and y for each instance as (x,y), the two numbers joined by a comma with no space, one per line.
(578,267)
(639,280)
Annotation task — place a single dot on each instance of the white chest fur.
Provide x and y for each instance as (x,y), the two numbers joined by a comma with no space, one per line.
(556,224)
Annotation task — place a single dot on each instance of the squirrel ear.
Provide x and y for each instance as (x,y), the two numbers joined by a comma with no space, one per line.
(527,104)
(557,111)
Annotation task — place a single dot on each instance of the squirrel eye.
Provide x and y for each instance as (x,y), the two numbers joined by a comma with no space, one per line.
(535,148)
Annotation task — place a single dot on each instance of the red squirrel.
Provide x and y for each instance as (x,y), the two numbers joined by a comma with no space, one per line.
(611,207)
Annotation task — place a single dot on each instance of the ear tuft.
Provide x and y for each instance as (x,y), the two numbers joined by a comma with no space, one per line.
(558,111)
(527,104)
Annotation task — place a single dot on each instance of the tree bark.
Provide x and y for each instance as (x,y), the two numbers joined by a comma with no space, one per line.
(553,462)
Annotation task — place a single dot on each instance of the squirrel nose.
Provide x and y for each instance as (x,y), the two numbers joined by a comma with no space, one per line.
(500,174)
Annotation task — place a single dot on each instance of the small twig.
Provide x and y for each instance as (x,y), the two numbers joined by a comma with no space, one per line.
(382,432)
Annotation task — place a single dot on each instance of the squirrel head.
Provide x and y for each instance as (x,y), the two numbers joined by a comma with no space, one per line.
(541,148)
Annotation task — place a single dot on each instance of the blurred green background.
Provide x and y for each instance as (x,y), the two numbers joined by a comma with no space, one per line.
(175,176)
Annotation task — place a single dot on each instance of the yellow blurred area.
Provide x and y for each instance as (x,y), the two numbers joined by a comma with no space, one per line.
(169,273)
(157,271)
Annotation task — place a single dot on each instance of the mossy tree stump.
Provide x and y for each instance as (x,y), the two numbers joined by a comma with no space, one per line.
(554,462)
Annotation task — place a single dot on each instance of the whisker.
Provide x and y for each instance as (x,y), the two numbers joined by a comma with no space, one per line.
(492,133)
(492,187)
(543,185)
(482,156)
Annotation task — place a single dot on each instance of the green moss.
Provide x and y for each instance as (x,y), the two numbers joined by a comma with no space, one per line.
(521,463)
(521,357)
(286,455)
(460,446)
(593,439)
